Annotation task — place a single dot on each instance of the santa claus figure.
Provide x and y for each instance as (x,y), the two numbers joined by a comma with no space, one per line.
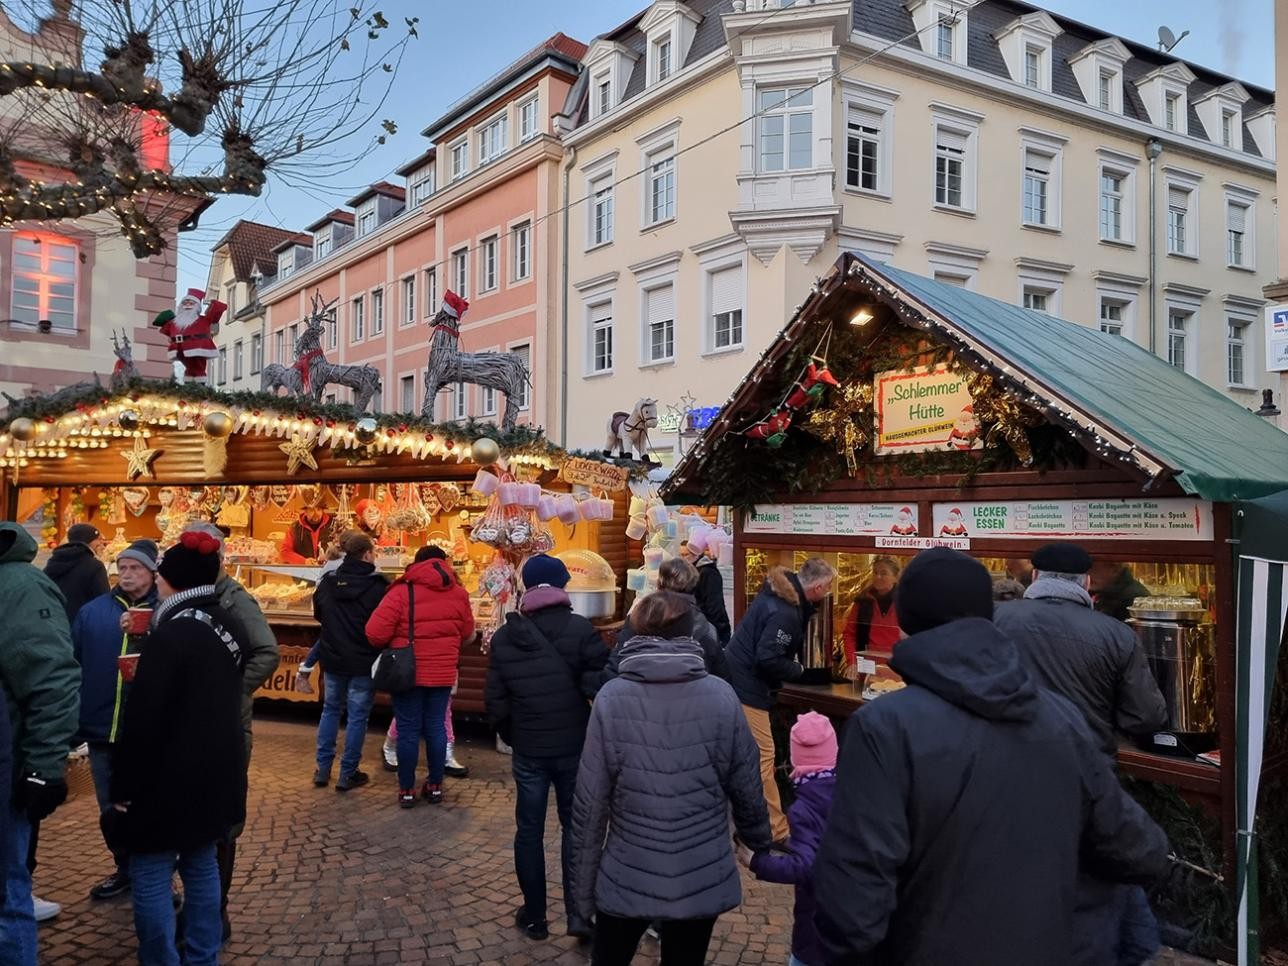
(955,525)
(903,525)
(191,333)
(965,434)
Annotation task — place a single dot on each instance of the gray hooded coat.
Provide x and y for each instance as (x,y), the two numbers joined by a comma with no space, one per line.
(668,751)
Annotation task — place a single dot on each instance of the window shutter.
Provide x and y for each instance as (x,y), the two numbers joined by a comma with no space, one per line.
(1034,161)
(1178,198)
(601,313)
(1238,218)
(660,304)
(726,290)
(951,140)
(860,117)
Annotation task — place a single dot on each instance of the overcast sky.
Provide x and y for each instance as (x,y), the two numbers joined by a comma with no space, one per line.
(453,55)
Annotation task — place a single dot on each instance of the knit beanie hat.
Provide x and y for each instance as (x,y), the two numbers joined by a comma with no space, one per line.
(542,568)
(1061,558)
(813,744)
(144,551)
(82,533)
(192,562)
(942,585)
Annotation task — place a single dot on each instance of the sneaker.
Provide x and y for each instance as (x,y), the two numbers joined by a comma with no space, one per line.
(321,778)
(45,910)
(355,779)
(533,929)
(390,755)
(407,797)
(454,767)
(79,752)
(111,887)
(432,793)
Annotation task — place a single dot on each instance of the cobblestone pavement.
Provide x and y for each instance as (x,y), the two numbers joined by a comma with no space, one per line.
(352,879)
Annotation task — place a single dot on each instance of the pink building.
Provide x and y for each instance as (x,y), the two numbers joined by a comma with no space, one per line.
(472,214)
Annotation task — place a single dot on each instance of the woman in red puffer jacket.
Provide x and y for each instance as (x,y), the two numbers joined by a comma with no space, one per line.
(443,622)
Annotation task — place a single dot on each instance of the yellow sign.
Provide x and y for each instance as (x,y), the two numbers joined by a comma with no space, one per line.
(924,409)
(281,684)
(596,475)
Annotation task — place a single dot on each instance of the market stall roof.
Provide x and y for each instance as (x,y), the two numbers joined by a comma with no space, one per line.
(1171,423)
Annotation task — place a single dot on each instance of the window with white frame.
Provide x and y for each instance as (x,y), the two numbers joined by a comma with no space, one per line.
(1112,321)
(1180,234)
(1236,347)
(460,401)
(332,330)
(944,39)
(488,406)
(367,218)
(459,159)
(726,288)
(599,230)
(950,167)
(524,354)
(407,394)
(492,139)
(1227,129)
(378,311)
(293,335)
(1178,333)
(408,300)
(279,348)
(221,377)
(521,250)
(1038,170)
(286,263)
(1106,89)
(659,323)
(431,292)
(529,119)
(461,272)
(603,101)
(600,321)
(423,186)
(660,185)
(662,57)
(786,128)
(863,161)
(487,264)
(1033,67)
(357,320)
(1238,221)
(1037,299)
(237,359)
(1113,190)
(256,353)
(1172,111)
(322,243)
(44,281)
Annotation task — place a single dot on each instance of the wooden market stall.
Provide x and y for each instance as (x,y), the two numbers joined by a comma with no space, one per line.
(894,412)
(143,462)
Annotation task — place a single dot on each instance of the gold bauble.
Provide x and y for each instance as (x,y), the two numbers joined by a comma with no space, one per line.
(485,451)
(22,429)
(366,430)
(217,425)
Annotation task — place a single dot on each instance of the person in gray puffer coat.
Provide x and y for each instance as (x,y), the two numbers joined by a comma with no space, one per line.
(668,752)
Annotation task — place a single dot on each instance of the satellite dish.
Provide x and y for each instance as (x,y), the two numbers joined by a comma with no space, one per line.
(1168,40)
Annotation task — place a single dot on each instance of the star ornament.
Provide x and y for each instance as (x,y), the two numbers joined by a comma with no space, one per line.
(299,452)
(840,422)
(139,460)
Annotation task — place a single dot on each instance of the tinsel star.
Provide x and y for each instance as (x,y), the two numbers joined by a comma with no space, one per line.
(139,460)
(299,452)
(1003,415)
(844,421)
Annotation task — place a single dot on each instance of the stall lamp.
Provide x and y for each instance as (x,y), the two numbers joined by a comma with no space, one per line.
(862,317)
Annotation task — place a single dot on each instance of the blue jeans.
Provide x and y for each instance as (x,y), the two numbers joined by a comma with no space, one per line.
(356,695)
(17,916)
(154,918)
(100,769)
(532,780)
(420,713)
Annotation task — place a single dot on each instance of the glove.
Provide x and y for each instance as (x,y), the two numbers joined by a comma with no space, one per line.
(40,796)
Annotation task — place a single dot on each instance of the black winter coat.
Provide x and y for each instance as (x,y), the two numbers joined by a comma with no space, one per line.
(692,625)
(537,694)
(668,753)
(180,755)
(711,601)
(343,601)
(762,652)
(79,575)
(964,806)
(1091,659)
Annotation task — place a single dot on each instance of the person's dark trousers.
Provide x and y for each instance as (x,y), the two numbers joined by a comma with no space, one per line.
(1138,937)
(532,780)
(100,769)
(684,941)
(421,713)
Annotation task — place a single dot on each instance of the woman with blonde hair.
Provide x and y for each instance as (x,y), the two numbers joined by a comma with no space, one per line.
(871,624)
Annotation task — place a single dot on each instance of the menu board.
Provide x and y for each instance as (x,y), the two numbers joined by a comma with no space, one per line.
(837,519)
(1163,519)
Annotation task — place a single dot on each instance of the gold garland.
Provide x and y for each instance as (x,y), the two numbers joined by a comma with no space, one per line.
(845,421)
(1004,415)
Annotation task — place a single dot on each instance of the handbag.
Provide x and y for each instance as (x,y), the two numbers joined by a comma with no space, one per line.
(395,667)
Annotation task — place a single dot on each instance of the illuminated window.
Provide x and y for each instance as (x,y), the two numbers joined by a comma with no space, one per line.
(44,280)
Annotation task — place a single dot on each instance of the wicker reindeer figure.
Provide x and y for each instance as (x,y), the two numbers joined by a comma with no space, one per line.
(125,369)
(448,365)
(316,373)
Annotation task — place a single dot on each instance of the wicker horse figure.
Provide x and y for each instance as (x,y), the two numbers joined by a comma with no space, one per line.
(502,371)
(316,373)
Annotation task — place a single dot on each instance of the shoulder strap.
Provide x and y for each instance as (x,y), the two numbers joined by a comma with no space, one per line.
(411,613)
(225,637)
(549,645)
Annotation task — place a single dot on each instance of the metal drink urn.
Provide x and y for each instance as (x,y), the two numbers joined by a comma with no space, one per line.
(817,650)
(1177,638)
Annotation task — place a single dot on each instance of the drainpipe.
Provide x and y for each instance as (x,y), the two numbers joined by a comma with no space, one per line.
(563,314)
(1153,148)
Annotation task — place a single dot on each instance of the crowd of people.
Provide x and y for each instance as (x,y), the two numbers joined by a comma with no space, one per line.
(971,817)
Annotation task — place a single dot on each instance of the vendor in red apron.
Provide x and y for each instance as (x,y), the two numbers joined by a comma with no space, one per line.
(871,624)
(303,543)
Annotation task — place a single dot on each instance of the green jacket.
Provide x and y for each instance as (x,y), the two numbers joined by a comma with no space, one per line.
(38,670)
(262,653)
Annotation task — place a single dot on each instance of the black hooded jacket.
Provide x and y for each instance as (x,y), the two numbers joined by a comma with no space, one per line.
(342,602)
(711,600)
(79,575)
(965,804)
(694,625)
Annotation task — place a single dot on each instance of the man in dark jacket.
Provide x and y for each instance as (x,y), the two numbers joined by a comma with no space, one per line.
(966,802)
(342,603)
(41,683)
(1098,664)
(545,665)
(101,634)
(179,777)
(76,569)
(1115,588)
(762,655)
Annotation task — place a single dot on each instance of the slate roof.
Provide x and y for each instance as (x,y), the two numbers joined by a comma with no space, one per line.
(293,238)
(335,214)
(397,192)
(251,244)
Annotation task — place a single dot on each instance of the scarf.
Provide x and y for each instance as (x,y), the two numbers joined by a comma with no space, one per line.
(541,597)
(1057,589)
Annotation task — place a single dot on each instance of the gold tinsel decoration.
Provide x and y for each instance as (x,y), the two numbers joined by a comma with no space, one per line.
(1003,415)
(844,421)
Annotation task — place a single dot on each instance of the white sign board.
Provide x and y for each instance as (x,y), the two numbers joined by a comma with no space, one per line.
(924,409)
(922,543)
(833,519)
(1277,338)
(1163,519)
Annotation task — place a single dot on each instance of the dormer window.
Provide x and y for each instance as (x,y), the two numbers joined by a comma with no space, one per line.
(1221,112)
(285,263)
(944,39)
(603,95)
(1033,67)
(367,218)
(1104,97)
(1163,91)
(663,55)
(669,27)
(941,27)
(1171,110)
(421,185)
(1098,69)
(609,66)
(1227,129)
(1025,44)
(322,242)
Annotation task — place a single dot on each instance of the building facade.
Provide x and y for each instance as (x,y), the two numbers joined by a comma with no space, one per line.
(1277,291)
(724,153)
(473,214)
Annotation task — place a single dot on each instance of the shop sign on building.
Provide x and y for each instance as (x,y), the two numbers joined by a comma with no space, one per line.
(1277,338)
(1163,519)
(927,408)
(596,475)
(833,519)
(281,683)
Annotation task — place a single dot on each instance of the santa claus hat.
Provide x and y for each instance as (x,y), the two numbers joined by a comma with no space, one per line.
(196,293)
(454,305)
(906,509)
(955,512)
(969,408)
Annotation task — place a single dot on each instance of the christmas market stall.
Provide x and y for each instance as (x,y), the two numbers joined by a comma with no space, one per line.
(284,477)
(894,413)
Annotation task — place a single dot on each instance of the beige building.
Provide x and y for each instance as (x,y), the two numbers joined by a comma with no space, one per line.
(1277,291)
(720,161)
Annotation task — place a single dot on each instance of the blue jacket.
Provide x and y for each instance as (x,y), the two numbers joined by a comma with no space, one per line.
(98,641)
(762,653)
